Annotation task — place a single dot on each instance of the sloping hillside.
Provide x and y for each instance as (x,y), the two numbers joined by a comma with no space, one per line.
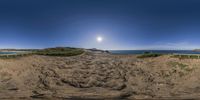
(98,76)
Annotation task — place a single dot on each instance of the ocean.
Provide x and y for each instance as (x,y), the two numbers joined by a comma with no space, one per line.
(7,52)
(154,51)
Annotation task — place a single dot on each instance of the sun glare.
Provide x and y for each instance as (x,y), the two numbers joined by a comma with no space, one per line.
(99,39)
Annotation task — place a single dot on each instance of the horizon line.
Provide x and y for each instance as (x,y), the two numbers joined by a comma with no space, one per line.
(97,48)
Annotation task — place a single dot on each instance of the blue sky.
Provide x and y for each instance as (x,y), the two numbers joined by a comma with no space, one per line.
(123,24)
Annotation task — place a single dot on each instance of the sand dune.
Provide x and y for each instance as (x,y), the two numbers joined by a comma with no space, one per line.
(99,76)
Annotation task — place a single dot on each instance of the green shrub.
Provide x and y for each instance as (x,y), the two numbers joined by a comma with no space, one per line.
(60,51)
(180,68)
(149,55)
(15,55)
(186,56)
(147,52)
(194,56)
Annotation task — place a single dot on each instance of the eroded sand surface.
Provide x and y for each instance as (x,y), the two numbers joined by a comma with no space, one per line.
(99,76)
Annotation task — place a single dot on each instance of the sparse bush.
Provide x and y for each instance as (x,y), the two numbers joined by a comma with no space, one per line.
(177,64)
(15,55)
(147,52)
(194,56)
(60,51)
(48,52)
(186,56)
(180,68)
(149,55)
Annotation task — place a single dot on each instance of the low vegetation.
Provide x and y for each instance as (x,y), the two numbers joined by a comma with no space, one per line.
(180,68)
(177,64)
(15,55)
(187,56)
(148,55)
(59,51)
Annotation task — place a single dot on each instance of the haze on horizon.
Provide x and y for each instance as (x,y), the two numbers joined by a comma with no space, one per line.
(121,24)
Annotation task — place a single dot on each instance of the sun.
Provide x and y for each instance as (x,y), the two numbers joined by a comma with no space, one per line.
(99,39)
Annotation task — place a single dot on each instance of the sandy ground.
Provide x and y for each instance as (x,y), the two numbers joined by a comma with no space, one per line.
(99,76)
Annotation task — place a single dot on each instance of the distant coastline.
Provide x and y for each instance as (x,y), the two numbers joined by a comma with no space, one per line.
(195,51)
(154,51)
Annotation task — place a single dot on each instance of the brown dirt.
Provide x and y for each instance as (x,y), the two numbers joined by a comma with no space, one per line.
(99,76)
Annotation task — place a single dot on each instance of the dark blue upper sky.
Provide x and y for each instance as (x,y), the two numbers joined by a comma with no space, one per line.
(123,24)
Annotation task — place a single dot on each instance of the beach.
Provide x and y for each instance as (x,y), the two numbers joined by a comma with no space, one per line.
(99,75)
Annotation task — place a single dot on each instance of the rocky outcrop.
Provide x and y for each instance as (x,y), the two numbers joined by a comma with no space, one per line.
(197,50)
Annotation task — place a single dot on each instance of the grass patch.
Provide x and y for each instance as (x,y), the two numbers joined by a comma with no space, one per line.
(180,68)
(177,64)
(60,51)
(186,56)
(148,55)
(15,56)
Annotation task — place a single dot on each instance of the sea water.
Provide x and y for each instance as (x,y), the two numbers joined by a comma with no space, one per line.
(7,53)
